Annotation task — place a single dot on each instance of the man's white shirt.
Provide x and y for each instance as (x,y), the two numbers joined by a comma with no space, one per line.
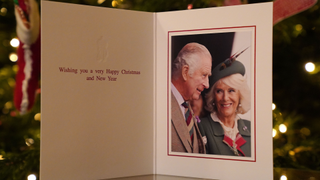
(178,97)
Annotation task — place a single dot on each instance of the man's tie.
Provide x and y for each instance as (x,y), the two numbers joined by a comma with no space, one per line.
(189,119)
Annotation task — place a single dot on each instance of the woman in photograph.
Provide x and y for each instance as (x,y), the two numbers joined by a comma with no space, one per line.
(223,131)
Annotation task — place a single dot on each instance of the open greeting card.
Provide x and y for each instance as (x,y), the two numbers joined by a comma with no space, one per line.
(107,90)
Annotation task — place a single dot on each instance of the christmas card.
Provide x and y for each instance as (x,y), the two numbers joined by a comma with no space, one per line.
(107,90)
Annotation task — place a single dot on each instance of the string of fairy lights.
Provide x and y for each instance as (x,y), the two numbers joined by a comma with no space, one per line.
(13,56)
(311,68)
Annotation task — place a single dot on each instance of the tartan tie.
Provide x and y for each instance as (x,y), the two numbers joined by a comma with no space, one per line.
(189,119)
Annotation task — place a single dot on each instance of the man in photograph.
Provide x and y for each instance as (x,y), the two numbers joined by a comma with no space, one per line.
(189,77)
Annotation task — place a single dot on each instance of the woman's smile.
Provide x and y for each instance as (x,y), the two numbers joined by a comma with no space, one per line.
(227,100)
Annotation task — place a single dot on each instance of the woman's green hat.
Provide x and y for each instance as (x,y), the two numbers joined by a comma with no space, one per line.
(226,68)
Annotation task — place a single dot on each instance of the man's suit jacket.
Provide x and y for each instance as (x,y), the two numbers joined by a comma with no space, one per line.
(180,138)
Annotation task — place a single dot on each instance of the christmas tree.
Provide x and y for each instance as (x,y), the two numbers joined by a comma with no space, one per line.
(295,90)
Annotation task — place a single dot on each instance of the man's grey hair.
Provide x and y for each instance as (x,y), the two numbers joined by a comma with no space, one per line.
(188,55)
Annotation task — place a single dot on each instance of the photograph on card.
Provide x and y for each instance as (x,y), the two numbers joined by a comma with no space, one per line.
(211,103)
